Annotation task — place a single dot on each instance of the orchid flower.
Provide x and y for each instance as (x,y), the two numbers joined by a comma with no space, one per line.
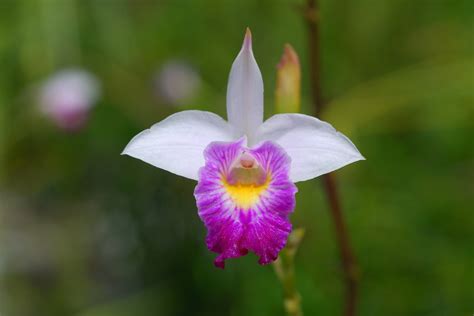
(246,168)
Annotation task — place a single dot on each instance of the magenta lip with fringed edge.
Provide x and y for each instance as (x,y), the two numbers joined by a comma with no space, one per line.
(249,216)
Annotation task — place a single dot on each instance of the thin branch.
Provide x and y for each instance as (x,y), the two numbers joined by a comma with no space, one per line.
(312,19)
(349,264)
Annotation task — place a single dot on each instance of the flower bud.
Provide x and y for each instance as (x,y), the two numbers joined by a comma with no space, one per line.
(288,83)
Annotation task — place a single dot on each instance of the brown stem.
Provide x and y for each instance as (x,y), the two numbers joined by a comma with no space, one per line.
(349,264)
(312,18)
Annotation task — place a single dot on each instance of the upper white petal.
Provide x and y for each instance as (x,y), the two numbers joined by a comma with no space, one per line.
(314,146)
(245,91)
(177,143)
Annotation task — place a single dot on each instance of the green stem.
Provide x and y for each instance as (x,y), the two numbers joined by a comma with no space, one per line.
(285,270)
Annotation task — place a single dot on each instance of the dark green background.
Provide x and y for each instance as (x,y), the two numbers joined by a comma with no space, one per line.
(87,232)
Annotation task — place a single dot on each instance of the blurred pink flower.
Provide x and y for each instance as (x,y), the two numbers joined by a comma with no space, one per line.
(68,96)
(176,82)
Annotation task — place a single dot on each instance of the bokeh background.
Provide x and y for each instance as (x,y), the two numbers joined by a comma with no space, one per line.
(87,232)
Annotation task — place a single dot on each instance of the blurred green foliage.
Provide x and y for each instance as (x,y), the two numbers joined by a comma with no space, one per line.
(85,231)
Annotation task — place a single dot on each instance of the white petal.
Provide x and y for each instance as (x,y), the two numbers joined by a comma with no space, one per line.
(177,143)
(245,91)
(314,146)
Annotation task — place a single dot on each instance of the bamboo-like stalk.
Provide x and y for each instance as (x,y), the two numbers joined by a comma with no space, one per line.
(288,99)
(285,270)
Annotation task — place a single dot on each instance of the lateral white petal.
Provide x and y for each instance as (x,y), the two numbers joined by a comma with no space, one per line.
(177,143)
(314,146)
(245,91)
